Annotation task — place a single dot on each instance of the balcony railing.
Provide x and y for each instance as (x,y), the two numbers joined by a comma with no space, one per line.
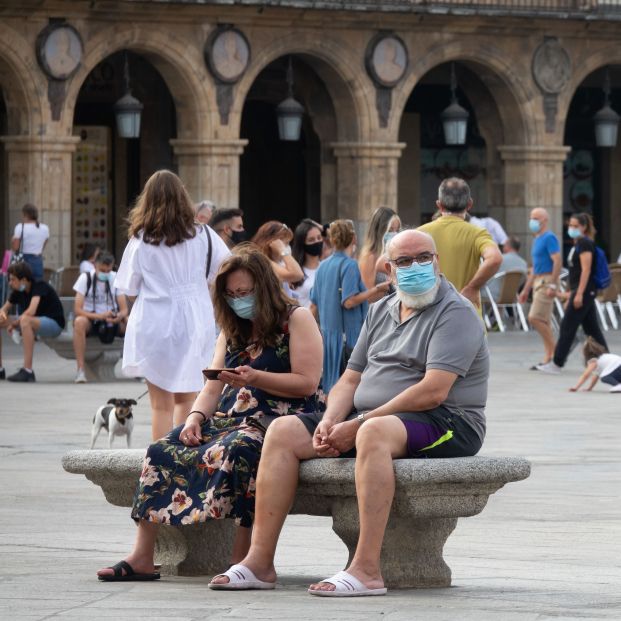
(578,9)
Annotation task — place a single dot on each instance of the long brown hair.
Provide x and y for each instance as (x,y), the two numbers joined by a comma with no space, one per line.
(163,212)
(270,299)
(270,231)
(592,349)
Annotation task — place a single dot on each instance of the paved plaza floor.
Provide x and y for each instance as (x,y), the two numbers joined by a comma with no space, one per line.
(545,548)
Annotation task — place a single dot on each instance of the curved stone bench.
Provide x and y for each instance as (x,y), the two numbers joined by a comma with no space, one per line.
(99,358)
(430,495)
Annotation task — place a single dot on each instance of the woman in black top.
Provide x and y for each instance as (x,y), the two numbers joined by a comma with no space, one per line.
(580,308)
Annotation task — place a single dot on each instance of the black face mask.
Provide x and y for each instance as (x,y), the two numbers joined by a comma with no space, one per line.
(314,249)
(237,237)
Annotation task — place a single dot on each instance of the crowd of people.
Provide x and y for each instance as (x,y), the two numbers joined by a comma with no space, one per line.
(312,352)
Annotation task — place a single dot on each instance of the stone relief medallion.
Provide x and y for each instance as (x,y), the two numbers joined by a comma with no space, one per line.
(551,67)
(386,59)
(227,54)
(59,50)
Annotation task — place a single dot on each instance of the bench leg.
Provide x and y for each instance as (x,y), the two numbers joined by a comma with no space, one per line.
(101,369)
(200,550)
(412,549)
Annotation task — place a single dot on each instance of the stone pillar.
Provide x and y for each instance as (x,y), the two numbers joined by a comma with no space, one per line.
(533,177)
(39,172)
(367,177)
(210,169)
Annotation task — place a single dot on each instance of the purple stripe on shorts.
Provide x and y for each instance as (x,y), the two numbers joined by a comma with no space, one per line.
(420,435)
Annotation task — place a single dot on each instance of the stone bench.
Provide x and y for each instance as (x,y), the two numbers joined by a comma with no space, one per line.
(430,495)
(99,358)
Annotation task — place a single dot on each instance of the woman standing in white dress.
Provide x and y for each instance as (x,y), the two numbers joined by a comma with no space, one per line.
(170,334)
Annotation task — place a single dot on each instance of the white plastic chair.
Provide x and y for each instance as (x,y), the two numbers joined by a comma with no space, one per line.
(510,284)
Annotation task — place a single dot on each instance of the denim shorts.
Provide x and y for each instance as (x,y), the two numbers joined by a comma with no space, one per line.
(48,328)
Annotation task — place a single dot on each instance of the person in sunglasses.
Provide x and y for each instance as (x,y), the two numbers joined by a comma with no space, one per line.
(415,387)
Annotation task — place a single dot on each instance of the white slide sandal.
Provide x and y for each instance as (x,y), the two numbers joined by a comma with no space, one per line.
(240,579)
(347,586)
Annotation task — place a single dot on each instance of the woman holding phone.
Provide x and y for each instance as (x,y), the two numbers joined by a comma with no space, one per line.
(267,364)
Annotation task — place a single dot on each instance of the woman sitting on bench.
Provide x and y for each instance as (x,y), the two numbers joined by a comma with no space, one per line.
(267,364)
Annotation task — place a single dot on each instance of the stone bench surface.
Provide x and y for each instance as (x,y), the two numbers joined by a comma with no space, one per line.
(431,494)
(99,358)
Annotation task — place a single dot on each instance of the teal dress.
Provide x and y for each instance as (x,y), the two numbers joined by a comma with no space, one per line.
(337,279)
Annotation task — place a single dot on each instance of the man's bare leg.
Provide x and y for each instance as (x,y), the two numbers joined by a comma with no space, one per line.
(547,336)
(81,326)
(28,326)
(378,442)
(287,442)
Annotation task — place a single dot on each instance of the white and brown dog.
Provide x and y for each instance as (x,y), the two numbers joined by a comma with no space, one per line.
(116,418)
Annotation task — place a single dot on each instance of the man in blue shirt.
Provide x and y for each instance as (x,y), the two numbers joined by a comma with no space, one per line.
(542,279)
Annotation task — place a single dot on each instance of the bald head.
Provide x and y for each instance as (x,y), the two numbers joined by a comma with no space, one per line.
(410,243)
(539,213)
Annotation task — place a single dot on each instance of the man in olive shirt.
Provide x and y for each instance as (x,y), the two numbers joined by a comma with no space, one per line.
(468,255)
(417,379)
(41,313)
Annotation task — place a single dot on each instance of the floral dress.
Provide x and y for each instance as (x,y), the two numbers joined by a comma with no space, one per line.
(189,484)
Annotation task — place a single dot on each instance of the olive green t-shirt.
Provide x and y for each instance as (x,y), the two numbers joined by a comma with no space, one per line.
(460,246)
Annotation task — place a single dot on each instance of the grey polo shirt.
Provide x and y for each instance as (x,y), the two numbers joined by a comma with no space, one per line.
(447,335)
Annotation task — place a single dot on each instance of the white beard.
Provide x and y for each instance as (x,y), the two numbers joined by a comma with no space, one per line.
(420,301)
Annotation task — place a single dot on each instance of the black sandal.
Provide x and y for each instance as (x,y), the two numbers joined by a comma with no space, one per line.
(129,576)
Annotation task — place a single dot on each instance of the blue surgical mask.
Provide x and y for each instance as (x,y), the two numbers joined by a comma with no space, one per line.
(388,236)
(416,279)
(534,225)
(21,288)
(103,276)
(574,232)
(242,307)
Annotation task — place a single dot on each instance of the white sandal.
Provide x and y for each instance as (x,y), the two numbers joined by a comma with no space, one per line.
(346,585)
(240,579)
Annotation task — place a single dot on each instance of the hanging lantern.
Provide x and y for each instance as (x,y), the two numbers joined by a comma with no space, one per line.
(128,110)
(454,118)
(606,120)
(289,112)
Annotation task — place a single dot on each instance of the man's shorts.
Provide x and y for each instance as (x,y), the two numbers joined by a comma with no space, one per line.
(48,328)
(431,434)
(543,304)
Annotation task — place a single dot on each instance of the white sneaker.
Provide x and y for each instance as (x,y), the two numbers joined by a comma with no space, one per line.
(16,335)
(549,367)
(616,388)
(80,378)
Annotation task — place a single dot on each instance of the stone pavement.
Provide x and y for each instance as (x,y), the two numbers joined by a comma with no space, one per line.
(544,548)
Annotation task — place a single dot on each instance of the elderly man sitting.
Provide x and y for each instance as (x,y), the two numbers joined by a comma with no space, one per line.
(417,379)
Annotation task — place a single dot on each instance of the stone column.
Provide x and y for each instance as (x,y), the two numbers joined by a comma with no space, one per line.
(210,169)
(533,177)
(39,172)
(367,177)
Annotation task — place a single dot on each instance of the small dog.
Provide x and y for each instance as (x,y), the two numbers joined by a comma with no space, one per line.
(116,418)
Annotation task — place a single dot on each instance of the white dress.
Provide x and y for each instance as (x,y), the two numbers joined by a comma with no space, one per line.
(170,334)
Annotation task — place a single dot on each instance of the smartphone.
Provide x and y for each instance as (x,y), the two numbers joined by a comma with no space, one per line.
(212,374)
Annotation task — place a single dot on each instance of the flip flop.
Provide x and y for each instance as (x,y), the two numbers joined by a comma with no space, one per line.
(129,576)
(240,579)
(347,586)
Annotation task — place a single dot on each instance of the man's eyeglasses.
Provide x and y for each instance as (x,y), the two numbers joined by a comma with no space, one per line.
(240,293)
(425,258)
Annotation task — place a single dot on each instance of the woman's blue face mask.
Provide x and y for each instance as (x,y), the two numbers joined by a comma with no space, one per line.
(416,279)
(574,232)
(388,236)
(242,307)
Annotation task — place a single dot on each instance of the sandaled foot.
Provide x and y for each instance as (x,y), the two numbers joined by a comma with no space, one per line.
(124,572)
(344,584)
(240,578)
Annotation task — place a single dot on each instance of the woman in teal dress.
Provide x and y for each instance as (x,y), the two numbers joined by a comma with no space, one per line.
(340,299)
(207,469)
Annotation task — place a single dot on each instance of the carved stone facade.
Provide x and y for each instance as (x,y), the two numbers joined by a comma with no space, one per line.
(518,79)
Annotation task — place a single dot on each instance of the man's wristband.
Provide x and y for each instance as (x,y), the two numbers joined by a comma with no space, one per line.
(201,413)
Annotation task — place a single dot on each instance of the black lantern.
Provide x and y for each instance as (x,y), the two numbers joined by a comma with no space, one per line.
(289,112)
(606,120)
(454,118)
(128,110)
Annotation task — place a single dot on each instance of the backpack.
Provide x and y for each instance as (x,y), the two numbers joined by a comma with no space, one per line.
(601,273)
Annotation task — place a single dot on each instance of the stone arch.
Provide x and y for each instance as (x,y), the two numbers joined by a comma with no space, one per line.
(513,97)
(610,55)
(18,82)
(334,63)
(180,65)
